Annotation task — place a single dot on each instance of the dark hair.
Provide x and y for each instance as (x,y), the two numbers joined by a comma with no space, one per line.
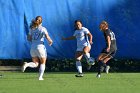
(78,21)
(36,22)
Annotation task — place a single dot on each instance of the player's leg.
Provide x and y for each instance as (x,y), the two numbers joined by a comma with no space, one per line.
(86,51)
(35,60)
(101,64)
(107,66)
(78,57)
(33,64)
(110,56)
(42,67)
(42,54)
(105,57)
(102,56)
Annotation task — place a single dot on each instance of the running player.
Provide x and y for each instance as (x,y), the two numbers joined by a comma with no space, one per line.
(83,45)
(36,35)
(110,50)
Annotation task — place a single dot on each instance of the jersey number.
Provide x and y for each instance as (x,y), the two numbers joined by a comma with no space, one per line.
(36,36)
(112,36)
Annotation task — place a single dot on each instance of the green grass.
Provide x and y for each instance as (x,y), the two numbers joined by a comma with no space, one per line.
(15,82)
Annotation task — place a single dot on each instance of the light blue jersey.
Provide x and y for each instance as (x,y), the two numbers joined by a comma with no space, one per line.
(38,35)
(38,48)
(82,38)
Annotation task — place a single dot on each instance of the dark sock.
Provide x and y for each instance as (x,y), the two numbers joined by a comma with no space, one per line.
(101,66)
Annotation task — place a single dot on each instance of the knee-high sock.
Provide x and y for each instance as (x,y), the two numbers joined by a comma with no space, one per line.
(87,56)
(79,66)
(101,66)
(41,70)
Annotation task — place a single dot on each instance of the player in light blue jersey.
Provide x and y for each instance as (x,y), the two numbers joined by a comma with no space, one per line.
(83,45)
(36,35)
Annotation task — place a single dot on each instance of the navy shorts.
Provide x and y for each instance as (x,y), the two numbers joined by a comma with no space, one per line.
(112,52)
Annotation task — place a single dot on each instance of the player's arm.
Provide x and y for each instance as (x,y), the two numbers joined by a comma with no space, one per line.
(90,38)
(45,32)
(109,43)
(49,39)
(69,38)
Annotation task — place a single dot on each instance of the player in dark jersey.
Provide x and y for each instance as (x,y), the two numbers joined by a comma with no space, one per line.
(109,51)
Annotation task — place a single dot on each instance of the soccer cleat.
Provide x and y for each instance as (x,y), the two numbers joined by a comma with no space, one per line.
(107,69)
(24,67)
(79,75)
(40,78)
(98,76)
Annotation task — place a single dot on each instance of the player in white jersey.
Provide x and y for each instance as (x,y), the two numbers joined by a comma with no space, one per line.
(83,45)
(36,35)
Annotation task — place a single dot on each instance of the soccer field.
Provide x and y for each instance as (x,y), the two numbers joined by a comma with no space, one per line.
(15,82)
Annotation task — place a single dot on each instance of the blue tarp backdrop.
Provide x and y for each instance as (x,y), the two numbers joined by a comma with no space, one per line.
(58,18)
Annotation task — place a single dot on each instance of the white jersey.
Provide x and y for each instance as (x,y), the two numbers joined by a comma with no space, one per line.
(82,37)
(37,48)
(38,35)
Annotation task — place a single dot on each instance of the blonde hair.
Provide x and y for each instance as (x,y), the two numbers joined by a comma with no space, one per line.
(104,22)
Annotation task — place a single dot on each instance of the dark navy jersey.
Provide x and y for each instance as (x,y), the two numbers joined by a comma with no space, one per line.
(109,33)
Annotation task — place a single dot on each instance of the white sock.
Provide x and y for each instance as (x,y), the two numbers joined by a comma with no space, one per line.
(87,56)
(79,66)
(41,70)
(32,64)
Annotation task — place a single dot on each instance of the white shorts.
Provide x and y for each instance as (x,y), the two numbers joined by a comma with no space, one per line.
(39,51)
(80,48)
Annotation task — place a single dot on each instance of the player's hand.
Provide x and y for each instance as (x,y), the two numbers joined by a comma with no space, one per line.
(108,49)
(50,42)
(90,42)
